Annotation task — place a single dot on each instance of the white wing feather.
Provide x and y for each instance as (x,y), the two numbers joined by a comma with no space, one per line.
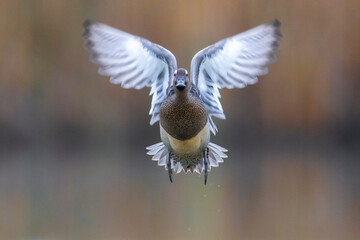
(131,61)
(233,62)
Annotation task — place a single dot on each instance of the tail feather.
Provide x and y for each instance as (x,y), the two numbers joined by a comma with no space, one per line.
(216,155)
(160,154)
(178,167)
(153,149)
(214,161)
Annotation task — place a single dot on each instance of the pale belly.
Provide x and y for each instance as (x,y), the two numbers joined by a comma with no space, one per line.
(189,146)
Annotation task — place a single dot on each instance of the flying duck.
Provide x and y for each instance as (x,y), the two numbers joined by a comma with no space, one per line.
(183,104)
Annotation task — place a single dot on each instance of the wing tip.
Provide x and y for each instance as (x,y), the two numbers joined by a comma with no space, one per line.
(88,44)
(86,26)
(276,25)
(88,22)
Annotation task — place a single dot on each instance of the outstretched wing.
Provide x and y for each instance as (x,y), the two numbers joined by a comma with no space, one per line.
(131,61)
(234,62)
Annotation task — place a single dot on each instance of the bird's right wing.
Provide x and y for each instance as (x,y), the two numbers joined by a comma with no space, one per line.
(233,62)
(131,61)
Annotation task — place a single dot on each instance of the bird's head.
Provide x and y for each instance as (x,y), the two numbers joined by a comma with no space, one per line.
(181,80)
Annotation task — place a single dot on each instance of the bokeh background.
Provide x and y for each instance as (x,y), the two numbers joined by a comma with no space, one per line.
(72,146)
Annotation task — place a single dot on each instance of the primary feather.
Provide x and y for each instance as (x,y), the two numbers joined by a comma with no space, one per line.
(131,61)
(233,62)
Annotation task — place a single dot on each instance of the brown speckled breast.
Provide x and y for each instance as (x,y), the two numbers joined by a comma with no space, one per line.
(183,119)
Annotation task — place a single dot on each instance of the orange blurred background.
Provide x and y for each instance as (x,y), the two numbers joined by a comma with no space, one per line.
(72,145)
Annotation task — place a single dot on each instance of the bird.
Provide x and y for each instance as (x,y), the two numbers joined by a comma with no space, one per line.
(183,103)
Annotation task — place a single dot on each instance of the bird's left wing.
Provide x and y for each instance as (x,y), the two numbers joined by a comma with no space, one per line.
(131,61)
(233,62)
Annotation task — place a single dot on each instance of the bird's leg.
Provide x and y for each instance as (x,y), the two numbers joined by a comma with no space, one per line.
(206,162)
(168,164)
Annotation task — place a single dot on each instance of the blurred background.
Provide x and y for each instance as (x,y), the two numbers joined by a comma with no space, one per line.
(72,145)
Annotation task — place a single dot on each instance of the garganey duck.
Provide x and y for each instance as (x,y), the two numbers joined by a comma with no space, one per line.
(184,105)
